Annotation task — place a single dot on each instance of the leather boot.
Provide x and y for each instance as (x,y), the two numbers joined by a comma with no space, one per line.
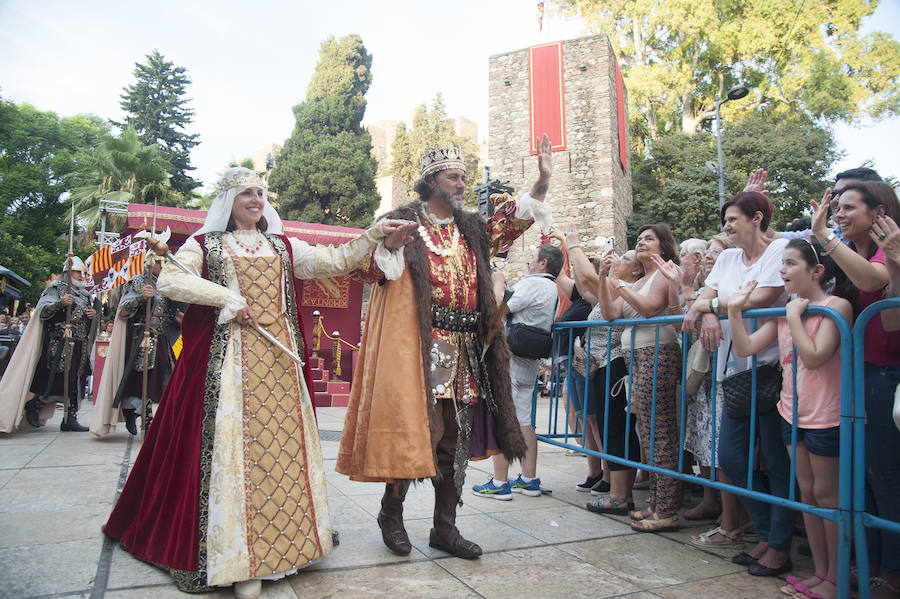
(445,535)
(70,424)
(32,409)
(390,518)
(130,420)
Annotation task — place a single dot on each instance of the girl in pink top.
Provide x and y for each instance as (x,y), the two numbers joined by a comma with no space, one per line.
(816,339)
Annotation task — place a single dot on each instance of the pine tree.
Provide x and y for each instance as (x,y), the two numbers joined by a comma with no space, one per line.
(431,128)
(325,172)
(156,107)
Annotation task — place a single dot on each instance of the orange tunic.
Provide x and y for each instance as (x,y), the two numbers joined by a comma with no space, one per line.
(386,431)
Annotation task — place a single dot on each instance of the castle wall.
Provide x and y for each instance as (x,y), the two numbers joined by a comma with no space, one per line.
(590,190)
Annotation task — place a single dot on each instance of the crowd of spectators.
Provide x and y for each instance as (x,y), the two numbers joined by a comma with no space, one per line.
(845,256)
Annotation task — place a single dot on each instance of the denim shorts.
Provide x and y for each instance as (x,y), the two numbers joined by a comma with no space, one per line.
(825,442)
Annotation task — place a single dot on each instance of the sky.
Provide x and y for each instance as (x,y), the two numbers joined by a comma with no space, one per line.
(250,63)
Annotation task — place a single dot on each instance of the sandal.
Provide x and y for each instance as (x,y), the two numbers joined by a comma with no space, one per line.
(798,589)
(640,514)
(605,504)
(879,584)
(702,512)
(732,538)
(656,524)
(641,485)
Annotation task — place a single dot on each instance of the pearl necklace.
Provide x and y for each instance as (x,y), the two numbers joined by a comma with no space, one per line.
(442,251)
(438,221)
(249,250)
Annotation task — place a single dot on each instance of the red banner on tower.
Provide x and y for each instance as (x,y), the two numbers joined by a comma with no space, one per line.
(546,94)
(621,118)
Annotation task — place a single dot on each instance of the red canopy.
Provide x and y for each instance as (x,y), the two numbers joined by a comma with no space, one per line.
(183,222)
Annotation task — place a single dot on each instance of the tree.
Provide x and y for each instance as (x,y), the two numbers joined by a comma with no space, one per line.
(157,109)
(675,186)
(325,172)
(796,56)
(37,168)
(430,128)
(119,169)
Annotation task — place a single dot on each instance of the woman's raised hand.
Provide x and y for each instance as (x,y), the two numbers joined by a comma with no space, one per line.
(819,224)
(739,298)
(886,235)
(669,269)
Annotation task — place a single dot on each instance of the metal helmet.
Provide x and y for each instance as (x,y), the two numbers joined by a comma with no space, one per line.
(77,264)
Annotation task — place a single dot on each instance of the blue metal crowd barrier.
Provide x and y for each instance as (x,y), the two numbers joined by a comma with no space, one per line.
(849,514)
(862,519)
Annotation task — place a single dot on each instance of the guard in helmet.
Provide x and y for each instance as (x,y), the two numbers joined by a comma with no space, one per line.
(122,384)
(61,345)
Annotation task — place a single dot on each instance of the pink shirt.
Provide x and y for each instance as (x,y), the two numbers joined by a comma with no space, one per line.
(819,390)
(882,347)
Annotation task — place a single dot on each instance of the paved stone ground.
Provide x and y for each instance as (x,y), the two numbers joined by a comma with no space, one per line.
(57,489)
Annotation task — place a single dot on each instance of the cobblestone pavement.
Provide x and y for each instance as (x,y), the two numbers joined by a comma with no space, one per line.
(57,489)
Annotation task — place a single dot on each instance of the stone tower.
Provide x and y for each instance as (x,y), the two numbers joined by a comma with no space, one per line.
(591,185)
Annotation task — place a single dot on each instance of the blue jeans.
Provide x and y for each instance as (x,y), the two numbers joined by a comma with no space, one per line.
(883,461)
(775,524)
(575,390)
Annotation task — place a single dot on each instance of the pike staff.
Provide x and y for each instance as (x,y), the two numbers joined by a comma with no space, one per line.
(67,330)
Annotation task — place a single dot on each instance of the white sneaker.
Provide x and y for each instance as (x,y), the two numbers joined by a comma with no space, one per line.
(248,589)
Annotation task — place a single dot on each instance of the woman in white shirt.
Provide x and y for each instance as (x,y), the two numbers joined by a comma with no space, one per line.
(745,219)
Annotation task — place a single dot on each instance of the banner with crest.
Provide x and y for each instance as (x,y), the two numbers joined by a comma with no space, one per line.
(114,264)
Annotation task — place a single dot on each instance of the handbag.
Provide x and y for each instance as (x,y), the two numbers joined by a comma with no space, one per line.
(579,362)
(737,390)
(527,341)
(697,367)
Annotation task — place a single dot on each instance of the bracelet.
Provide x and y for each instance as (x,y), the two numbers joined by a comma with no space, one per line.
(621,284)
(572,247)
(834,246)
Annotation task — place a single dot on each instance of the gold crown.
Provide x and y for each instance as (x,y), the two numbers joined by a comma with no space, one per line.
(239,177)
(438,159)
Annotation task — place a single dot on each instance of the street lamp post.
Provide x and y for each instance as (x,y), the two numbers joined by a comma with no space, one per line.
(735,93)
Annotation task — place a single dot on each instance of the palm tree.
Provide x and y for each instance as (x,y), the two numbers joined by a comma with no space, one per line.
(123,170)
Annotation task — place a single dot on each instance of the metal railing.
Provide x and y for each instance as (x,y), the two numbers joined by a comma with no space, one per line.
(849,515)
(863,520)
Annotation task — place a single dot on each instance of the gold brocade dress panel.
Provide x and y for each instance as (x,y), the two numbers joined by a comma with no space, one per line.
(268,510)
(280,529)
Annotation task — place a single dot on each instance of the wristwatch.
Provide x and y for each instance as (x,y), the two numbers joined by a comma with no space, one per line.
(828,238)
(714,305)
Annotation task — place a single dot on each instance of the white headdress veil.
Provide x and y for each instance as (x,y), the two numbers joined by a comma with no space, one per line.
(235,180)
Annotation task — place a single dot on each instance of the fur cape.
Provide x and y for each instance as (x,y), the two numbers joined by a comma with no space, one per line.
(473,229)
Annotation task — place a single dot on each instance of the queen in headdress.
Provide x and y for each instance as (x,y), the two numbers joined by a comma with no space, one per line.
(229,486)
